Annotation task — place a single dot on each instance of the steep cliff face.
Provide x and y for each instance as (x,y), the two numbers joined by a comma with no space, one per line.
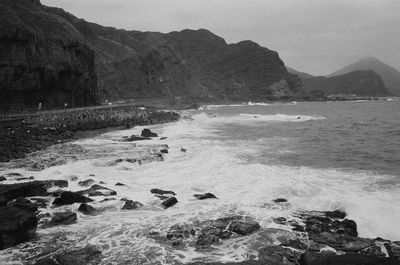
(43,58)
(361,83)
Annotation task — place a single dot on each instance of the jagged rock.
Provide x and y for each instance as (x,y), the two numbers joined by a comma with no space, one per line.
(181,231)
(148,133)
(24,204)
(29,189)
(136,138)
(279,200)
(18,223)
(89,255)
(62,218)
(280,220)
(162,192)
(131,205)
(336,214)
(314,258)
(119,184)
(169,202)
(277,255)
(393,249)
(86,183)
(87,209)
(205,196)
(98,190)
(342,242)
(164,151)
(319,224)
(68,197)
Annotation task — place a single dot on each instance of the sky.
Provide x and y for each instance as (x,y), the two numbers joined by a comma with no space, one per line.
(314,36)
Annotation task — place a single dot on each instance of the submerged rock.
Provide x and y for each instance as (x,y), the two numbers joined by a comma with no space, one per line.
(62,218)
(148,133)
(2,178)
(89,255)
(98,190)
(162,192)
(87,209)
(68,197)
(132,205)
(205,196)
(169,202)
(279,200)
(18,223)
(136,138)
(181,231)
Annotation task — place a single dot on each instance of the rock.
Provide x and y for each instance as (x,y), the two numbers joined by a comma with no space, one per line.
(151,158)
(162,192)
(2,178)
(25,178)
(277,255)
(280,220)
(87,209)
(183,150)
(17,224)
(68,197)
(163,138)
(279,200)
(335,214)
(24,204)
(162,197)
(205,196)
(26,189)
(62,218)
(393,249)
(136,138)
(314,258)
(207,239)
(342,242)
(86,183)
(169,202)
(119,184)
(148,133)
(164,151)
(98,190)
(131,205)
(89,255)
(181,231)
(295,243)
(319,224)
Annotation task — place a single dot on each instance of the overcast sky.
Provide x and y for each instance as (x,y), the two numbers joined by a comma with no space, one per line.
(315,36)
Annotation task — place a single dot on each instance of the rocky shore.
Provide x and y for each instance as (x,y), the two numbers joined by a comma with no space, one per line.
(308,238)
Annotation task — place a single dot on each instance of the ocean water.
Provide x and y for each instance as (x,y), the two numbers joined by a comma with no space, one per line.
(319,156)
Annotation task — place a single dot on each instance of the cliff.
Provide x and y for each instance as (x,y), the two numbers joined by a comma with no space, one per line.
(43,58)
(361,83)
(193,63)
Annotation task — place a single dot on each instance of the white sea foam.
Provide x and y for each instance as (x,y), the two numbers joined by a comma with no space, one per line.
(216,166)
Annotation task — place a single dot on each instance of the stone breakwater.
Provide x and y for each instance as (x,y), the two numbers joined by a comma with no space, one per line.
(39,130)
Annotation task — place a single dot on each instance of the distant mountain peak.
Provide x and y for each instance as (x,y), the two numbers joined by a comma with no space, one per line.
(389,74)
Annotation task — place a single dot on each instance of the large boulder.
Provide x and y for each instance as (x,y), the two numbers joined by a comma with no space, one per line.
(148,133)
(62,218)
(87,209)
(169,202)
(68,197)
(132,205)
(89,255)
(97,190)
(18,223)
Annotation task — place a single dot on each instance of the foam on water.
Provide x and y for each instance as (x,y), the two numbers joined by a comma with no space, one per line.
(211,164)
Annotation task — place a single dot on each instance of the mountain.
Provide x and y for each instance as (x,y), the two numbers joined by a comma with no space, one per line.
(302,75)
(390,75)
(43,58)
(361,83)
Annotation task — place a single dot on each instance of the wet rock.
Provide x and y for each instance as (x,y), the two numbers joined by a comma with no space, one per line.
(148,133)
(280,220)
(131,205)
(295,243)
(119,184)
(207,239)
(28,189)
(89,255)
(163,138)
(181,231)
(342,242)
(62,218)
(164,151)
(375,250)
(151,158)
(314,258)
(277,255)
(162,192)
(183,150)
(17,224)
(393,249)
(98,190)
(169,202)
(335,214)
(40,202)
(87,209)
(25,178)
(68,197)
(133,138)
(205,196)
(107,199)
(24,204)
(2,178)
(162,197)
(86,183)
(279,200)
(319,224)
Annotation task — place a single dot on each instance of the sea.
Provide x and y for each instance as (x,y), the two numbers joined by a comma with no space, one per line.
(318,155)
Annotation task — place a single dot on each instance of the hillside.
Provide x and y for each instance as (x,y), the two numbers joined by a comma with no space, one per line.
(302,75)
(43,58)
(361,83)
(390,75)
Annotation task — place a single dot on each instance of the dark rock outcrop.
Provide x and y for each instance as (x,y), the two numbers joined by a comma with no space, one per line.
(89,255)
(131,205)
(162,192)
(44,59)
(68,197)
(62,218)
(169,202)
(97,190)
(86,183)
(87,209)
(148,133)
(205,196)
(18,223)
(313,258)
